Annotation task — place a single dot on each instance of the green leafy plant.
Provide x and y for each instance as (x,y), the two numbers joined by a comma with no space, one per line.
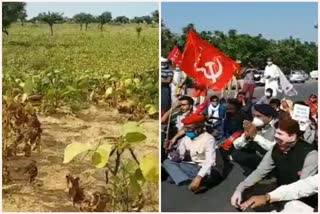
(128,175)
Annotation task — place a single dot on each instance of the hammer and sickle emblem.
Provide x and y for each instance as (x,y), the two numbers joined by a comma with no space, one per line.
(209,71)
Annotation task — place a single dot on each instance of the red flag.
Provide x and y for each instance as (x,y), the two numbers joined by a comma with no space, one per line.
(175,55)
(206,64)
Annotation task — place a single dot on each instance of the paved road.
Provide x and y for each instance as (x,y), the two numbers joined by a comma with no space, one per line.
(217,199)
(303,89)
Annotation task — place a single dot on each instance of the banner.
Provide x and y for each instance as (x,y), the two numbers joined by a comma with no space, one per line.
(206,64)
(175,55)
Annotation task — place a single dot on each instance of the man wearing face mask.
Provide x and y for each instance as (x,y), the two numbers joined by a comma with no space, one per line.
(198,161)
(215,113)
(257,139)
(291,158)
(272,75)
(266,98)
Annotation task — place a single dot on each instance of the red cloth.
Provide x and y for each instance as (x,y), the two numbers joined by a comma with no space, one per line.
(193,118)
(313,107)
(206,64)
(229,142)
(175,55)
(203,106)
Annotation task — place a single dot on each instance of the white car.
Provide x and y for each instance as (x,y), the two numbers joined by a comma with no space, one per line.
(297,76)
(314,75)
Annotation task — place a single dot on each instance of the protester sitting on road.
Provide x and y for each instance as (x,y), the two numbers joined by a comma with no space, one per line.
(176,114)
(246,105)
(291,158)
(291,192)
(312,102)
(215,114)
(196,158)
(307,127)
(234,118)
(266,98)
(257,139)
(275,104)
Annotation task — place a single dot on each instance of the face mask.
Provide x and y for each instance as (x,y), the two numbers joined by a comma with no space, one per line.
(257,122)
(191,135)
(214,104)
(284,142)
(268,94)
(269,63)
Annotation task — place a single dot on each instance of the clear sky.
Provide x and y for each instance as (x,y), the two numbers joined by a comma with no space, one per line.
(129,9)
(273,20)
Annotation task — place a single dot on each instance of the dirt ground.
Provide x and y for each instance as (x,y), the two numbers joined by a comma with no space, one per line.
(48,194)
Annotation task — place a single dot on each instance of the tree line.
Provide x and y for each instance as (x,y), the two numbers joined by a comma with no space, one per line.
(15,11)
(289,54)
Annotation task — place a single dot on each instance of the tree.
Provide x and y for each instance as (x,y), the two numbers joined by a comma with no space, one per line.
(155,16)
(147,19)
(122,19)
(104,18)
(23,17)
(51,18)
(83,18)
(11,11)
(288,54)
(137,20)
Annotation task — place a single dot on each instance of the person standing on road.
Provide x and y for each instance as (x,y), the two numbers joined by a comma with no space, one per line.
(248,82)
(291,158)
(178,84)
(272,75)
(166,79)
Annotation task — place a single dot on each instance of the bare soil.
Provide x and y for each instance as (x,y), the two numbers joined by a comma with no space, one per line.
(49,192)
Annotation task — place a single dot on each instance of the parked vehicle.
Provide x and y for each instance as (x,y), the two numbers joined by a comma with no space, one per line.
(296,77)
(314,74)
(305,75)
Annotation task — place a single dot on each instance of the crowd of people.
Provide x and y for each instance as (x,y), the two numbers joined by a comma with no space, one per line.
(201,136)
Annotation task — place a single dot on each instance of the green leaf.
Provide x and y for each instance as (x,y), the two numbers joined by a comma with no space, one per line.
(28,86)
(75,149)
(139,176)
(133,137)
(135,186)
(131,127)
(131,166)
(101,156)
(153,110)
(149,166)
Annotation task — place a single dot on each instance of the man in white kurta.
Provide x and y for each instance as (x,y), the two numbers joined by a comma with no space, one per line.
(272,74)
(290,192)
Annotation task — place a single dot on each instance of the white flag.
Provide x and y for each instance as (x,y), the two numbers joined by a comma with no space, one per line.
(285,86)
